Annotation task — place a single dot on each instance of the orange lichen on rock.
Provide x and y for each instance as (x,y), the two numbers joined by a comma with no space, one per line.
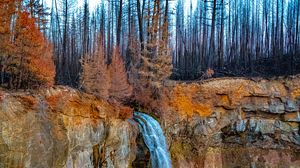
(183,102)
(53,100)
(224,101)
(28,101)
(81,108)
(292,117)
(295,94)
(72,103)
(238,94)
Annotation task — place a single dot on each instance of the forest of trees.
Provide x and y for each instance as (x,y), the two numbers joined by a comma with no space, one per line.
(231,37)
(237,36)
(139,29)
(144,42)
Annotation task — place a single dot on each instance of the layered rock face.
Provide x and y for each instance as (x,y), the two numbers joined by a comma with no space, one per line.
(60,127)
(227,122)
(233,122)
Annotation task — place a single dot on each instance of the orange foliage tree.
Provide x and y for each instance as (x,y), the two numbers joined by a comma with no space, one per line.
(105,81)
(95,77)
(34,52)
(26,56)
(120,88)
(7,9)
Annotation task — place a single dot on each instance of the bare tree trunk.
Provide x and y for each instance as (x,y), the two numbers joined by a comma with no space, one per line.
(277,30)
(140,20)
(297,28)
(65,65)
(119,22)
(281,30)
(108,52)
(85,28)
(212,36)
(165,24)
(221,38)
(204,44)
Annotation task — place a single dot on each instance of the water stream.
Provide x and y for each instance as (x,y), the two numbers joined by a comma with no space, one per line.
(154,140)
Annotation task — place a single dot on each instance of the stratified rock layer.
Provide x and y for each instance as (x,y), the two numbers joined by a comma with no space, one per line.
(232,122)
(60,127)
(227,122)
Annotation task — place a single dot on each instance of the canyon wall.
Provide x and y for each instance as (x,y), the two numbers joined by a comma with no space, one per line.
(61,127)
(232,122)
(226,122)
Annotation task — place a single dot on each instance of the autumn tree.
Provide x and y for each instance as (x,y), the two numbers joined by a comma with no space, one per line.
(153,64)
(119,87)
(27,54)
(34,54)
(39,12)
(108,81)
(95,77)
(7,9)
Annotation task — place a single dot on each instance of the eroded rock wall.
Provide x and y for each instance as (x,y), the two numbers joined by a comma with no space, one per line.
(227,122)
(60,127)
(233,122)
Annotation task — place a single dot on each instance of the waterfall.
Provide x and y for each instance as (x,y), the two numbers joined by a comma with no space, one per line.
(154,140)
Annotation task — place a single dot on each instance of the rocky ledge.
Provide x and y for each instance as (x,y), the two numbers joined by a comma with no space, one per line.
(61,127)
(232,122)
(227,122)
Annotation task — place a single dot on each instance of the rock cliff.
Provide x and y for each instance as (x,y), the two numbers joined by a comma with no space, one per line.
(226,122)
(61,127)
(233,122)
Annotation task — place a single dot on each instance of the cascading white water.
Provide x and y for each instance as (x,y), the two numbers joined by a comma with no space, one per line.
(154,139)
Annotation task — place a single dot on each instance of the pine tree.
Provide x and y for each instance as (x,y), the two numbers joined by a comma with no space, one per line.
(26,56)
(103,80)
(34,54)
(7,9)
(95,76)
(156,60)
(120,88)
